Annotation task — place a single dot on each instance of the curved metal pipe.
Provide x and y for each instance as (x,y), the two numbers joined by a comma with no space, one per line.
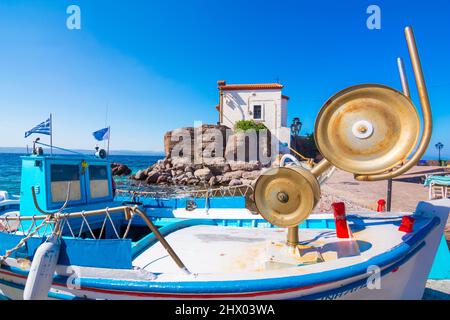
(290,157)
(321,167)
(60,210)
(426,113)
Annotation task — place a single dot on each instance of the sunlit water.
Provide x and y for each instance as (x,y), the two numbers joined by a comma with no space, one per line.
(10,169)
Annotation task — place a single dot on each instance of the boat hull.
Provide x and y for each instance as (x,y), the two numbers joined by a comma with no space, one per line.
(400,273)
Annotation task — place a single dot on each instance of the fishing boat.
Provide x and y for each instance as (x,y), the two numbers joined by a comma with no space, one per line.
(71,239)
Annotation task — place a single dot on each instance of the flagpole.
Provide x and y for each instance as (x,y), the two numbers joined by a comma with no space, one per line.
(51,135)
(109,138)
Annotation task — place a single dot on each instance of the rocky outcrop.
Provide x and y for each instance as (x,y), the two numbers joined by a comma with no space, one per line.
(119,169)
(207,156)
(195,139)
(208,174)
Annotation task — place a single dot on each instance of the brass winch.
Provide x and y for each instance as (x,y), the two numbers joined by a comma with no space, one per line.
(369,130)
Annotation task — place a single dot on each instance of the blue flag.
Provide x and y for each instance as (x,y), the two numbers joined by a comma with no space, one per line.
(102,134)
(42,128)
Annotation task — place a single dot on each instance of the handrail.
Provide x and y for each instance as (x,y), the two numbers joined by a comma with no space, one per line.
(210,192)
(70,215)
(128,211)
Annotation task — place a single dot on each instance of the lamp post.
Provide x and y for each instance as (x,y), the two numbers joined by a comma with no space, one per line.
(296,127)
(439,146)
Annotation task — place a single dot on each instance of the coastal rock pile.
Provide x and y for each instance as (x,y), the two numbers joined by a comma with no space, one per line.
(218,149)
(119,169)
(215,172)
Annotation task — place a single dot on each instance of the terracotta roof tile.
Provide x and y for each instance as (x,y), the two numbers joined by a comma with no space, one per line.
(256,86)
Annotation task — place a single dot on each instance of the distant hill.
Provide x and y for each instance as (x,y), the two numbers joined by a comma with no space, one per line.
(112,152)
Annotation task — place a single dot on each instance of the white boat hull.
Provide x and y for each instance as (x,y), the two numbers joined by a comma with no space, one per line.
(402,273)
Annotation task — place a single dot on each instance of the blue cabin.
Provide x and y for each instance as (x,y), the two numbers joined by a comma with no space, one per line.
(90,179)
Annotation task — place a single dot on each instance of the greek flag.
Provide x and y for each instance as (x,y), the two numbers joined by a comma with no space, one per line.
(42,128)
(102,134)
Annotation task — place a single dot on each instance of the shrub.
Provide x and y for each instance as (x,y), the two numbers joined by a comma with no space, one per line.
(244,125)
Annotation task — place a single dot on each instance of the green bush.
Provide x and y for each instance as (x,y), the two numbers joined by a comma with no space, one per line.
(244,125)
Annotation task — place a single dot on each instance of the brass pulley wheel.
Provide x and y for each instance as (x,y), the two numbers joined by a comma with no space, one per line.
(367,129)
(286,196)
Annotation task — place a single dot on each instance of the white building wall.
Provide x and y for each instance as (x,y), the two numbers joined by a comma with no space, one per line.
(284,112)
(239,105)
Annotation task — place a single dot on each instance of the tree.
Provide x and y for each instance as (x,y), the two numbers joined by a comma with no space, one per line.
(439,146)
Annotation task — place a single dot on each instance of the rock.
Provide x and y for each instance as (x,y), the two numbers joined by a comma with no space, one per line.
(251,175)
(149,169)
(119,169)
(162,179)
(247,166)
(232,175)
(217,165)
(179,172)
(189,169)
(219,178)
(140,175)
(193,181)
(189,175)
(235,182)
(203,174)
(181,162)
(209,135)
(212,182)
(152,177)
(197,166)
(247,182)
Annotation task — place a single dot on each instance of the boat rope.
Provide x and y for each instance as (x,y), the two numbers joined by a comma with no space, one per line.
(112,223)
(102,228)
(23,240)
(130,219)
(83,216)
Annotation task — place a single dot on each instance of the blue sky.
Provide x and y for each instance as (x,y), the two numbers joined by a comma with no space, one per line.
(155,63)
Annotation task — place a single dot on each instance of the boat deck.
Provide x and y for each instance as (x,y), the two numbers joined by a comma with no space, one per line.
(219,249)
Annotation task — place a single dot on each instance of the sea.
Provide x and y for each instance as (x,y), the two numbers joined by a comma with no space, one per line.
(10,168)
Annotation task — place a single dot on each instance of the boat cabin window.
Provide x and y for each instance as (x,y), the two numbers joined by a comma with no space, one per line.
(61,175)
(98,182)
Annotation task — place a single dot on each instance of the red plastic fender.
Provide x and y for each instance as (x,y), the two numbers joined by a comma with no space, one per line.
(342,230)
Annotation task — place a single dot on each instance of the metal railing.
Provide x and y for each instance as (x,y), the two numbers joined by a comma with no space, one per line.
(59,220)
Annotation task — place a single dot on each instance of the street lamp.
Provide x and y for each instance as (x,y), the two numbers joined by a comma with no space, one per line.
(439,146)
(296,127)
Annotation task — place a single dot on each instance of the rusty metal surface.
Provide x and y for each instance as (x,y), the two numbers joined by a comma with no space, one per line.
(395,129)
